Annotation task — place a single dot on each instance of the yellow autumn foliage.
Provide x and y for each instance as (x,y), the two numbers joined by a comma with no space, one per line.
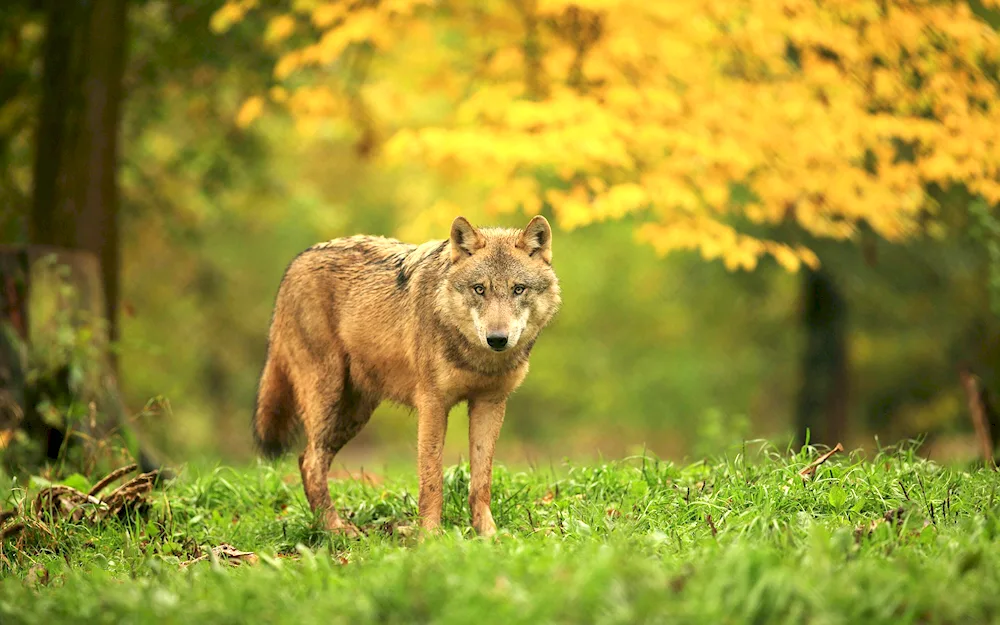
(250,110)
(279,29)
(707,119)
(230,13)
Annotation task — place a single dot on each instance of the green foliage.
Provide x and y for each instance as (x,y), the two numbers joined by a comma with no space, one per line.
(741,539)
(21,37)
(717,431)
(68,392)
(642,348)
(67,344)
(61,377)
(645,350)
(986,228)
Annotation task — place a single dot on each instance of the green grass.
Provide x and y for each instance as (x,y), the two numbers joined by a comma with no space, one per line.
(620,542)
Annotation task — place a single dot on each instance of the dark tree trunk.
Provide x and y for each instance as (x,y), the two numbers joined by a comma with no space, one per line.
(75,187)
(13,334)
(53,199)
(22,274)
(822,403)
(75,183)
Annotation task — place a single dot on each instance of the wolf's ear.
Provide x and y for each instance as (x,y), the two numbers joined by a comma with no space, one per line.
(465,239)
(537,239)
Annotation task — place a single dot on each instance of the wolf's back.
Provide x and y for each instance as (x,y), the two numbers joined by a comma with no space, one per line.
(361,285)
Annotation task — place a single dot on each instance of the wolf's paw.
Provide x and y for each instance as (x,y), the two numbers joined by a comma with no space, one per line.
(486,530)
(483,523)
(405,531)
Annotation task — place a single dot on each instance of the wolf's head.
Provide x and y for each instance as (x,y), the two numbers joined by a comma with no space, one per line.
(500,289)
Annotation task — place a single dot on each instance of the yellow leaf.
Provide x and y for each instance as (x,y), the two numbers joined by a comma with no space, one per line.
(288,64)
(225,17)
(278,94)
(325,14)
(572,209)
(279,28)
(667,108)
(808,257)
(229,14)
(251,110)
(307,127)
(786,257)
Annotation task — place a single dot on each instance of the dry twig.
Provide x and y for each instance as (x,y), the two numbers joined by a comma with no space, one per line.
(111,477)
(60,501)
(811,469)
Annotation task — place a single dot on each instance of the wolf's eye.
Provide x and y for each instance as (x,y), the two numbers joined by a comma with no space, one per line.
(479,289)
(519,288)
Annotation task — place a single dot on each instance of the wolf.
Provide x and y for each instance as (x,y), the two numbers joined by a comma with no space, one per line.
(364,319)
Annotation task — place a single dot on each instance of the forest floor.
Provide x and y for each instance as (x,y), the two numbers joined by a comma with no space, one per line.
(738,539)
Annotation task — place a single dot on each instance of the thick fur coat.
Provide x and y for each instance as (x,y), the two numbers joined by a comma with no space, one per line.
(361,319)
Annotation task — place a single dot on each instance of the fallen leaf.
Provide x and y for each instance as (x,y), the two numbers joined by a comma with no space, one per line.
(811,469)
(230,554)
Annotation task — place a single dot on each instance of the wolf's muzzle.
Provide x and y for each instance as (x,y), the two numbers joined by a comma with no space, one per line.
(497,342)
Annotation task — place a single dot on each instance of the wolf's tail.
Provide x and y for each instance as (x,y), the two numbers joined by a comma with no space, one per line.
(274,413)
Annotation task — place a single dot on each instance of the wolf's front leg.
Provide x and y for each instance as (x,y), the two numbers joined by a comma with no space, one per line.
(485,419)
(432,423)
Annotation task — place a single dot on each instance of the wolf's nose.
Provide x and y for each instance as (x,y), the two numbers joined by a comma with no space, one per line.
(497,342)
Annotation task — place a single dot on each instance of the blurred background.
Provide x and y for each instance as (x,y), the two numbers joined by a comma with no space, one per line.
(771,215)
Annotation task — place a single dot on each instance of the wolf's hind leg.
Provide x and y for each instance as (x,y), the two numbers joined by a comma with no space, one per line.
(319,400)
(342,420)
(314,464)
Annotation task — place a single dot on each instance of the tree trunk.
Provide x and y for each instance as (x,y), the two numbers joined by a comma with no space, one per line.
(26,276)
(28,280)
(75,188)
(13,333)
(75,182)
(822,404)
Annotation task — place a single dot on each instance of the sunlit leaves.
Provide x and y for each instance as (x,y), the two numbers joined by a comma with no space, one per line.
(231,13)
(325,14)
(279,28)
(827,115)
(249,111)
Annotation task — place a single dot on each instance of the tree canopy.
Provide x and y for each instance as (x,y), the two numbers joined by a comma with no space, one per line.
(713,121)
